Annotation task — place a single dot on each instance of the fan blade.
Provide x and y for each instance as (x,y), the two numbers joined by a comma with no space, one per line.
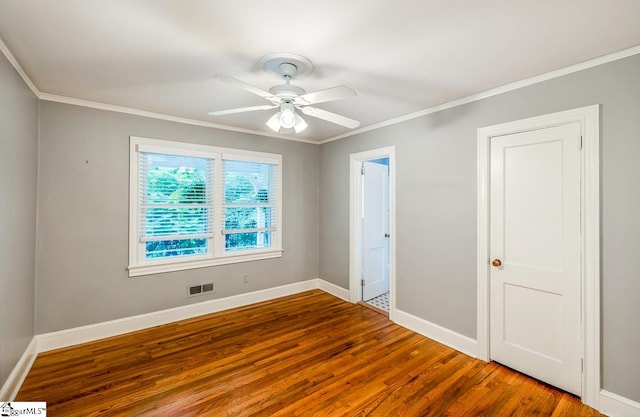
(243,109)
(330,117)
(330,94)
(250,88)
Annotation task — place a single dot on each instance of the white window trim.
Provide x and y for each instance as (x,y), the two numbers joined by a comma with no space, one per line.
(138,266)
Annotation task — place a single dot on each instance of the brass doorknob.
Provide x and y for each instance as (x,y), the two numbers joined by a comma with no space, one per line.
(496,262)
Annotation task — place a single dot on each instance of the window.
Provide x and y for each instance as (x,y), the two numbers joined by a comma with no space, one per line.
(193,206)
(176,205)
(249,204)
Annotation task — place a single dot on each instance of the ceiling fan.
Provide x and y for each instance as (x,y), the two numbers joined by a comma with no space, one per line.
(287,97)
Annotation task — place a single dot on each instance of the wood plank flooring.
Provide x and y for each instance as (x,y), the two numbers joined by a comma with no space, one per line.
(310,354)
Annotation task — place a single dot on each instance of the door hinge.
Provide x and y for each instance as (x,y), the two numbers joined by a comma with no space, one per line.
(581,365)
(580,143)
(362,171)
(362,282)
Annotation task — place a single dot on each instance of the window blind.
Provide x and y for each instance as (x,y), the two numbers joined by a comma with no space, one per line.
(176,204)
(250,204)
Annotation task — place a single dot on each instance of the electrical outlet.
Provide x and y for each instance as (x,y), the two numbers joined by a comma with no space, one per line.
(245,279)
(208,287)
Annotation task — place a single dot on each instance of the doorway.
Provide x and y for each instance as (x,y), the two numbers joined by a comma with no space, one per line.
(538,248)
(371,228)
(375,232)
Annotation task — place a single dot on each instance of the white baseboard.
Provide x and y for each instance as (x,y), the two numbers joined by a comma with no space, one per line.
(438,333)
(83,334)
(614,405)
(333,289)
(17,376)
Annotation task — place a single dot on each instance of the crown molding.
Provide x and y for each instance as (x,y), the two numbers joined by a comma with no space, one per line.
(494,91)
(153,115)
(16,65)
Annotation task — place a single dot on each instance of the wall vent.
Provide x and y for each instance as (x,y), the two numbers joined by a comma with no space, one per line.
(193,290)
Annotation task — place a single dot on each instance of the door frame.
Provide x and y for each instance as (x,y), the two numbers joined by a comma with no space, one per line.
(355,225)
(589,119)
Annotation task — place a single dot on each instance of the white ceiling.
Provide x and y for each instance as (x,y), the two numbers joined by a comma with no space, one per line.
(400,56)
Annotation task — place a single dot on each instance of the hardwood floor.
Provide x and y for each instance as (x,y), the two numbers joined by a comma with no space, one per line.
(310,354)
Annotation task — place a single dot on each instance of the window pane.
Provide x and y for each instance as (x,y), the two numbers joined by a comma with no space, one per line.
(249,203)
(247,218)
(174,179)
(178,247)
(176,201)
(250,240)
(248,182)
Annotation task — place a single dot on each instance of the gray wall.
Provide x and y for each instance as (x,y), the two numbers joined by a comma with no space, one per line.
(18,176)
(436,206)
(83,205)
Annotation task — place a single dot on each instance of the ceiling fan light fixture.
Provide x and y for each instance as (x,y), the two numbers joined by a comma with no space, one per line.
(274,122)
(300,124)
(287,116)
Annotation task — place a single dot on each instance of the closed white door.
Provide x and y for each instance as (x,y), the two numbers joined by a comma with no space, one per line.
(535,254)
(375,226)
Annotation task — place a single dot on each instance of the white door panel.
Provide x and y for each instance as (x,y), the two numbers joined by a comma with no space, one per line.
(375,259)
(535,233)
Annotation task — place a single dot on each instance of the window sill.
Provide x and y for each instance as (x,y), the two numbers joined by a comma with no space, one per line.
(159,268)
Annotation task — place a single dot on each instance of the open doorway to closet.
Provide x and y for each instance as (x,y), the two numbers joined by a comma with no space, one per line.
(372,238)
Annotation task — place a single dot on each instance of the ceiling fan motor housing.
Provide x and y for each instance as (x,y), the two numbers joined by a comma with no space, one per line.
(287,91)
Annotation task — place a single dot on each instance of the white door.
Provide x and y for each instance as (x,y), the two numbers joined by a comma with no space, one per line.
(375,227)
(535,237)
